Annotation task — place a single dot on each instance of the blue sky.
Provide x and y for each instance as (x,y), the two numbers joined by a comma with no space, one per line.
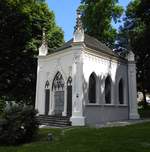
(65,13)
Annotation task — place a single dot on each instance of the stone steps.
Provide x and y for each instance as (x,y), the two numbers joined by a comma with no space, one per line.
(57,121)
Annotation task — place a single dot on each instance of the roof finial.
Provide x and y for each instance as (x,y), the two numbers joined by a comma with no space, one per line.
(78,31)
(43,50)
(131,55)
(44,37)
(79,25)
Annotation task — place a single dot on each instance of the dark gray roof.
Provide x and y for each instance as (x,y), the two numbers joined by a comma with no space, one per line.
(95,44)
(65,45)
(92,43)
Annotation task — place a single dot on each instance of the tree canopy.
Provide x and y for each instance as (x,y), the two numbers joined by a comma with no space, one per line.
(97,18)
(138,15)
(21,24)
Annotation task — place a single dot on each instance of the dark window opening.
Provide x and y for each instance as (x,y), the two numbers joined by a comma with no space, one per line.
(121,96)
(47,97)
(108,90)
(92,88)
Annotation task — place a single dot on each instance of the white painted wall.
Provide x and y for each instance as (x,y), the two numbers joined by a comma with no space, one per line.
(48,66)
(103,66)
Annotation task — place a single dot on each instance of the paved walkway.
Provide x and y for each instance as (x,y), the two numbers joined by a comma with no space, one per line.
(121,123)
(108,124)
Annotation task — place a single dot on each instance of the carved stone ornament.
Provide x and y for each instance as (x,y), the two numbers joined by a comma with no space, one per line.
(43,50)
(76,59)
(79,25)
(131,56)
(79,31)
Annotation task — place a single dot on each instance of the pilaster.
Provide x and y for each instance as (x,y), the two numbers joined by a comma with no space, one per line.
(133,113)
(77,118)
(64,113)
(37,88)
(52,106)
(40,90)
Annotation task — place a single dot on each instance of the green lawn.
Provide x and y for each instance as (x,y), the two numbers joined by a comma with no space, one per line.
(134,138)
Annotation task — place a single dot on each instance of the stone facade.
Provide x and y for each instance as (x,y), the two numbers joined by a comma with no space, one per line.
(87,81)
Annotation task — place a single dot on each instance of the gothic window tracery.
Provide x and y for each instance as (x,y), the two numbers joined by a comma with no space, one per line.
(47,84)
(69,82)
(58,82)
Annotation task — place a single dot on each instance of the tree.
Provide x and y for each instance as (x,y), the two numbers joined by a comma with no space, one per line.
(21,24)
(97,17)
(138,15)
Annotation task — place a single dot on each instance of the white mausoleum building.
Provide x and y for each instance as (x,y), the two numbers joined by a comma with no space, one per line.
(86,81)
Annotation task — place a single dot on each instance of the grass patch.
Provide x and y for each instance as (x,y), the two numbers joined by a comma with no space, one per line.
(134,138)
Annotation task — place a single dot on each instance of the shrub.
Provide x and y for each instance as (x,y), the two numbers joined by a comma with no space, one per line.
(2,105)
(18,124)
(144,111)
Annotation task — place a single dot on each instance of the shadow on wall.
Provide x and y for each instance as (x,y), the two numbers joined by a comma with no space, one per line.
(107,87)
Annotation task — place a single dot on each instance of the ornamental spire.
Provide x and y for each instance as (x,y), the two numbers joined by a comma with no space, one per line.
(78,31)
(79,25)
(44,37)
(43,50)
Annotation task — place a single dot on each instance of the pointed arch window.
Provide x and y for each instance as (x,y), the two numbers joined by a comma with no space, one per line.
(121,95)
(69,82)
(92,88)
(47,97)
(47,85)
(58,82)
(108,90)
(69,96)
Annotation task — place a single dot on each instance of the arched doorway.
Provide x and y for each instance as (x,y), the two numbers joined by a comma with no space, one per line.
(69,96)
(47,97)
(58,89)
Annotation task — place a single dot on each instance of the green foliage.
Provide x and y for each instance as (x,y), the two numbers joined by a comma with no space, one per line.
(18,124)
(97,18)
(21,24)
(138,14)
(143,110)
(2,105)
